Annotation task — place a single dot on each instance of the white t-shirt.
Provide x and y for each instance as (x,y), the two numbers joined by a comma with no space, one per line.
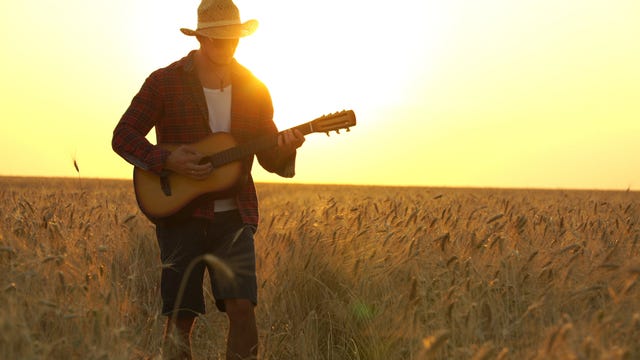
(219,106)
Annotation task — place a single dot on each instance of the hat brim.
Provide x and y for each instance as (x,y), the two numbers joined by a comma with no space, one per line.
(225,32)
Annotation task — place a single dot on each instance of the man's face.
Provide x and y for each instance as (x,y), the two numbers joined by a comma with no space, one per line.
(219,51)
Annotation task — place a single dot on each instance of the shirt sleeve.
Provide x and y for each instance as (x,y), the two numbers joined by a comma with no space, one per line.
(272,160)
(129,137)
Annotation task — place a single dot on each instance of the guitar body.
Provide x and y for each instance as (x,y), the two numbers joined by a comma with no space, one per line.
(165,196)
(152,199)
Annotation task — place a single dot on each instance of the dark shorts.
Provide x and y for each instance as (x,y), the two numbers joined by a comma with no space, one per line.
(223,246)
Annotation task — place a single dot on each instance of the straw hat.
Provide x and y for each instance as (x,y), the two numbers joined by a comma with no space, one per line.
(220,19)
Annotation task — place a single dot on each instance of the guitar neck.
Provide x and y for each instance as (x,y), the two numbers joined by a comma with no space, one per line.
(248,149)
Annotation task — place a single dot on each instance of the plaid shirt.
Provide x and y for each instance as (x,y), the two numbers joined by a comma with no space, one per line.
(172,100)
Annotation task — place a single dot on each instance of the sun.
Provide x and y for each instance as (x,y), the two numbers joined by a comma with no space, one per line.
(318,58)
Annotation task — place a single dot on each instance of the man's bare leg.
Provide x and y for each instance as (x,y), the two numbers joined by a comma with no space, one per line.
(177,339)
(242,341)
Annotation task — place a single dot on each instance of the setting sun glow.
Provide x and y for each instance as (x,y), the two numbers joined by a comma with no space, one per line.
(489,93)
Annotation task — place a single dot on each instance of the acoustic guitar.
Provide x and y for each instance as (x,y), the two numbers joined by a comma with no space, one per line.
(166,195)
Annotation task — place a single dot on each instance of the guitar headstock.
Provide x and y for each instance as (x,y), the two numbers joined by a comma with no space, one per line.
(344,119)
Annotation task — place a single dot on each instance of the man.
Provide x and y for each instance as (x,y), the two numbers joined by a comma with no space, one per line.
(207,91)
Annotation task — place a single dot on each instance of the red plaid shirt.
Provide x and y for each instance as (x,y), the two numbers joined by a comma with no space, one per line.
(172,100)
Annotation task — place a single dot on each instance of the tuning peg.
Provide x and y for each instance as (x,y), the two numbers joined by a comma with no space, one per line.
(327,133)
(338,131)
(348,129)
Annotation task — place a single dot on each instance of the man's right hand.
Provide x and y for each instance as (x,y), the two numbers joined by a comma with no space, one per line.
(185,159)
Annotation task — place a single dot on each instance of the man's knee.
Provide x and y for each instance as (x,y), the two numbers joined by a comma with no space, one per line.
(239,309)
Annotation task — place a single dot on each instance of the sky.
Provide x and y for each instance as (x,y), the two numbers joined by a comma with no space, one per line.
(456,93)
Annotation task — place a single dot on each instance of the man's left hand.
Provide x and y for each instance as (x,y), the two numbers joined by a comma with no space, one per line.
(289,140)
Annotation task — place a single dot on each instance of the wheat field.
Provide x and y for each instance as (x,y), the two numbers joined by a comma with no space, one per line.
(345,272)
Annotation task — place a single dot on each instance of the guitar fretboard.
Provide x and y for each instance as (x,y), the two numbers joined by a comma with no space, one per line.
(244,150)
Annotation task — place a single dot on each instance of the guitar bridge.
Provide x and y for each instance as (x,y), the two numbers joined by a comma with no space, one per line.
(165,185)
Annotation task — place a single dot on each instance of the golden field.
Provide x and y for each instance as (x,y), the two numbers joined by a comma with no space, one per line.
(345,272)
